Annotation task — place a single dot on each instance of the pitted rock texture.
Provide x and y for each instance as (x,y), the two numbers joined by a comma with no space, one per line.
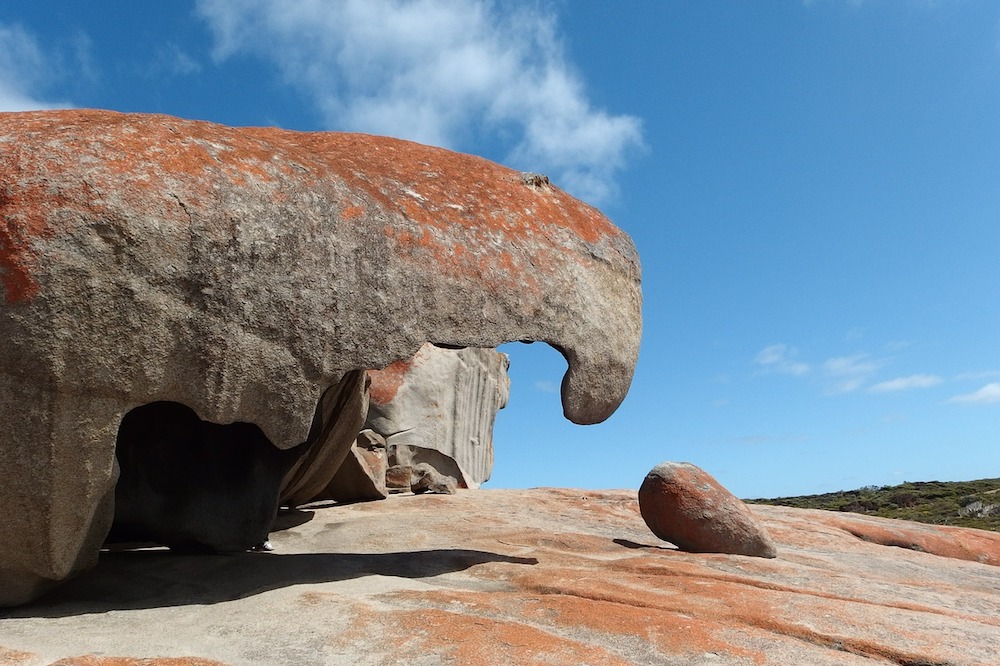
(439,408)
(242,272)
(683,504)
(545,576)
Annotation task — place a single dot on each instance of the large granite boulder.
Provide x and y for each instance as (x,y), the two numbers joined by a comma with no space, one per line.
(439,408)
(243,272)
(683,504)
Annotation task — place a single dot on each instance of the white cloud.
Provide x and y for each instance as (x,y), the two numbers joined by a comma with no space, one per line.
(23,69)
(781,358)
(849,373)
(986,395)
(445,72)
(906,383)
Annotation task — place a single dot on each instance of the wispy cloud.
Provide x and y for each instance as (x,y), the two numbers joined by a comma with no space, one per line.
(849,373)
(906,383)
(545,386)
(23,70)
(454,73)
(986,395)
(780,358)
(171,60)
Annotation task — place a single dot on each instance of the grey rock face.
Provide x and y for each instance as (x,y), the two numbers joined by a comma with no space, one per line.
(361,477)
(439,408)
(419,478)
(243,272)
(683,504)
(339,416)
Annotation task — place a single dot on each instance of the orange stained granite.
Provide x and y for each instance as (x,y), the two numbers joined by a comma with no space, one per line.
(385,383)
(462,211)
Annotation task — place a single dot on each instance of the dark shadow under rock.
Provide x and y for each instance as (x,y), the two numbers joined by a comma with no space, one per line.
(194,485)
(159,578)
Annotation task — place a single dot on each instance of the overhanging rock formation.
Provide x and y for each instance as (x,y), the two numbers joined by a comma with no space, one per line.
(241,273)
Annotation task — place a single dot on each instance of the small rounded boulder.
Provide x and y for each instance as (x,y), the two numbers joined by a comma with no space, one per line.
(683,504)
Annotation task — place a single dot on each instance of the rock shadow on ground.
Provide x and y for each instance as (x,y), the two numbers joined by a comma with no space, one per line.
(143,579)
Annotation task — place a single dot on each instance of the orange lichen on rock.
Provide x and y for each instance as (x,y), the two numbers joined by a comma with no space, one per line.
(352,212)
(473,639)
(962,544)
(439,187)
(95,660)
(21,222)
(181,167)
(386,382)
(549,576)
(14,657)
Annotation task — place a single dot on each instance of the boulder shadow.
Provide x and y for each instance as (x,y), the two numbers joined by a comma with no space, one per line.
(632,544)
(144,579)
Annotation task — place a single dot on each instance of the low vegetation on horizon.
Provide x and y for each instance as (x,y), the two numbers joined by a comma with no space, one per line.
(959,503)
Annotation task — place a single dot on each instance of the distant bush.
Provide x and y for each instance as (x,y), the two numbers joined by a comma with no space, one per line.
(967,500)
(904,499)
(961,503)
(860,506)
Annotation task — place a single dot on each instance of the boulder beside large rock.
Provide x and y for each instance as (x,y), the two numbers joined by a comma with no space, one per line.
(683,504)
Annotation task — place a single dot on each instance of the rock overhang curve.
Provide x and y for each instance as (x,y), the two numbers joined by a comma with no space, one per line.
(242,271)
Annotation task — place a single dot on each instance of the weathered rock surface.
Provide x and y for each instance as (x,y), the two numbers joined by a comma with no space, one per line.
(339,416)
(544,576)
(683,504)
(242,272)
(426,479)
(361,477)
(439,408)
(419,478)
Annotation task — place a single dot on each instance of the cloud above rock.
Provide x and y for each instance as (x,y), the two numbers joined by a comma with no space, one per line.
(23,70)
(454,73)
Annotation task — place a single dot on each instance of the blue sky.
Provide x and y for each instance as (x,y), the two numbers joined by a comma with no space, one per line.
(813,187)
